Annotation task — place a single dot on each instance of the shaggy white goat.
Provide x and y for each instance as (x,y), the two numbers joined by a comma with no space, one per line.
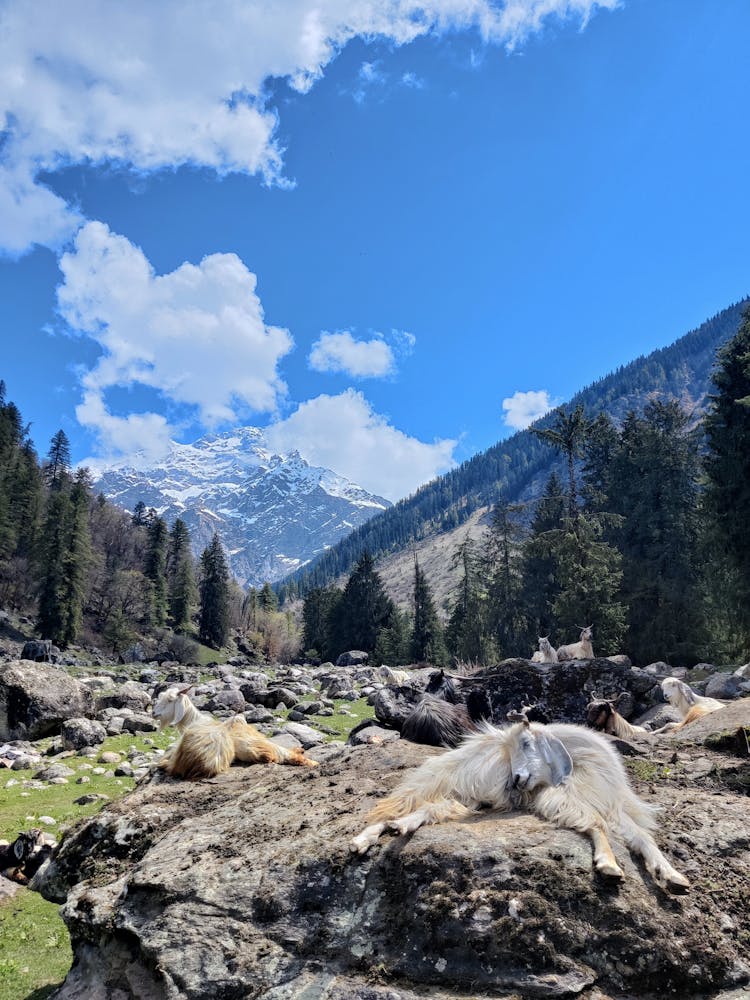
(603,715)
(690,705)
(389,676)
(567,774)
(581,650)
(546,652)
(207,746)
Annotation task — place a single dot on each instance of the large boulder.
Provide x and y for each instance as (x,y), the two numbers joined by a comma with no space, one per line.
(35,700)
(39,650)
(80,733)
(352,658)
(130,695)
(244,887)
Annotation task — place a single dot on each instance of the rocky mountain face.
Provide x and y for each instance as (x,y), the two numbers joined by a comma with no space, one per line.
(273,512)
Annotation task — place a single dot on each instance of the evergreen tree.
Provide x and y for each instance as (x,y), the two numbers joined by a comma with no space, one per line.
(139,514)
(394,640)
(505,607)
(58,460)
(363,610)
(267,600)
(214,596)
(427,640)
(318,614)
(538,565)
(183,594)
(53,547)
(652,482)
(727,467)
(567,434)
(467,634)
(155,569)
(76,559)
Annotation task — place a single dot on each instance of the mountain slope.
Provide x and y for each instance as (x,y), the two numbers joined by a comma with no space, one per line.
(272,512)
(516,467)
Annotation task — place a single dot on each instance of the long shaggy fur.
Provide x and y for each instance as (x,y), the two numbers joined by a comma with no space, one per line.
(690,705)
(603,715)
(208,747)
(437,723)
(567,774)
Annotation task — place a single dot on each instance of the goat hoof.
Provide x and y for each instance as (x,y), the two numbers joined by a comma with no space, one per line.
(611,872)
(677,884)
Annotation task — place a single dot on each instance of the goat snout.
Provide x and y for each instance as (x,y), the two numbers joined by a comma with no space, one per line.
(520,780)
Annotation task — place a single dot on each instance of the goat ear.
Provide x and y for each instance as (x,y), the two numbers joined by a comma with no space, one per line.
(18,849)
(178,710)
(555,754)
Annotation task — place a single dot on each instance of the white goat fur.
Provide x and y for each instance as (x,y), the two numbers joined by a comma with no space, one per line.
(546,652)
(390,676)
(566,774)
(581,650)
(690,705)
(207,746)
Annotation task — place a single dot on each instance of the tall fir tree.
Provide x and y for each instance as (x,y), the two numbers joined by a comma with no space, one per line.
(467,635)
(51,561)
(155,569)
(427,639)
(505,598)
(76,559)
(568,435)
(214,596)
(318,614)
(364,609)
(58,460)
(727,468)
(183,593)
(538,566)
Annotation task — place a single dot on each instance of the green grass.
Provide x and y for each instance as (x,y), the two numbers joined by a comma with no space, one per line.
(34,944)
(343,724)
(35,952)
(647,770)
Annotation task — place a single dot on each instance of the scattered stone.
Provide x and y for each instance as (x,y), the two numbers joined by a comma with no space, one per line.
(140,723)
(54,771)
(78,733)
(723,685)
(352,658)
(306,735)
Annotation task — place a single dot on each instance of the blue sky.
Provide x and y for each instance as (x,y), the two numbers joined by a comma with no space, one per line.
(365,228)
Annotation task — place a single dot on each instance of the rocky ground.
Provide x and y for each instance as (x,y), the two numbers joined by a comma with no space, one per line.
(243,886)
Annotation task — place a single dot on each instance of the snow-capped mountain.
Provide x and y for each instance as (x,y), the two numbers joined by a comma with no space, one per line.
(272,512)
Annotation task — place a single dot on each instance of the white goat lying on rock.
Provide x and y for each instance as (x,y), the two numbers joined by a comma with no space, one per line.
(546,652)
(567,774)
(690,705)
(207,746)
(581,650)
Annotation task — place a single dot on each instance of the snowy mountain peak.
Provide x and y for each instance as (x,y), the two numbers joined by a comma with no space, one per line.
(273,512)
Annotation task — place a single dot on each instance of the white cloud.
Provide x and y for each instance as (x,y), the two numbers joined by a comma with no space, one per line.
(523,408)
(340,352)
(157,85)
(343,433)
(197,335)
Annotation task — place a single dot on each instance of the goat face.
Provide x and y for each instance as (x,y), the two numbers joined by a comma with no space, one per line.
(598,714)
(587,633)
(536,758)
(170,707)
(676,692)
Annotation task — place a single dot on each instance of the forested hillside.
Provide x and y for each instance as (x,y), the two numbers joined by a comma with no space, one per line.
(511,468)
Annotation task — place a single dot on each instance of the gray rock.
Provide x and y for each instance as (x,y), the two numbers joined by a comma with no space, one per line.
(53,772)
(352,658)
(79,733)
(138,722)
(230,700)
(39,650)
(723,685)
(306,735)
(130,695)
(372,735)
(495,905)
(35,700)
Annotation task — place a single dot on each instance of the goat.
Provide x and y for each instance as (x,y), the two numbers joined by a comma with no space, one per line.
(437,723)
(207,747)
(389,676)
(15,857)
(581,650)
(546,652)
(690,705)
(603,715)
(567,774)
(441,684)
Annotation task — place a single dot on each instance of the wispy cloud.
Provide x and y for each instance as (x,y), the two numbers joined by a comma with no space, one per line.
(523,408)
(116,83)
(345,434)
(197,335)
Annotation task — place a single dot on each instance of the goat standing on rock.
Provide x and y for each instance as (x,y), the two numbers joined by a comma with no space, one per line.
(208,747)
(567,774)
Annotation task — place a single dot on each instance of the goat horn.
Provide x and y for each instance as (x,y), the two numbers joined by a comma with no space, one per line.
(185,690)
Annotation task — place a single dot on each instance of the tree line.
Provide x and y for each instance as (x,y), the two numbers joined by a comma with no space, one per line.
(88,570)
(645,535)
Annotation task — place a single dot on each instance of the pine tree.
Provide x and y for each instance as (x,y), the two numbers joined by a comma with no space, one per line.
(51,619)
(467,634)
(214,596)
(155,569)
(318,615)
(538,566)
(183,593)
(567,434)
(267,600)
(727,467)
(76,559)
(502,562)
(58,460)
(394,640)
(363,610)
(427,640)
(139,514)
